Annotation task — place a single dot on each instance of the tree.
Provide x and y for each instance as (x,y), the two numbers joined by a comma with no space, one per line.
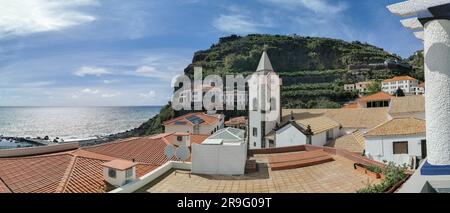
(399,93)
(374,87)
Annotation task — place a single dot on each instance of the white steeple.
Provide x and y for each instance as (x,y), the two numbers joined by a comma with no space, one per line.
(264,62)
(264,103)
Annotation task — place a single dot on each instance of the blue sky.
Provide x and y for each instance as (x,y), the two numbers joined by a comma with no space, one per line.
(112,52)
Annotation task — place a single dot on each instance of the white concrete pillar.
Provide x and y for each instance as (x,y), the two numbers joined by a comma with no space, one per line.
(437,102)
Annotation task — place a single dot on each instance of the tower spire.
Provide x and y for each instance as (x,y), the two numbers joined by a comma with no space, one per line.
(264,62)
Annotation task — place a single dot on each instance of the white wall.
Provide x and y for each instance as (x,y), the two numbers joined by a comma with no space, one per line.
(38,150)
(381,148)
(226,159)
(320,139)
(151,176)
(120,179)
(289,136)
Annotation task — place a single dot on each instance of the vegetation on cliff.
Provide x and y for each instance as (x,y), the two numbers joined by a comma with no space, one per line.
(313,69)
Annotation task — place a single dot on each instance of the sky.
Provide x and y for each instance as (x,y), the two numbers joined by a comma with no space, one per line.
(125,53)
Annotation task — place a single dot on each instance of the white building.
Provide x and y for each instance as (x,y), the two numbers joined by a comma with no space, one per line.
(223,153)
(298,129)
(195,123)
(399,140)
(264,87)
(406,83)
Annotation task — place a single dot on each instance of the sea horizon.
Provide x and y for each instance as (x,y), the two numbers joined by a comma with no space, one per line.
(72,123)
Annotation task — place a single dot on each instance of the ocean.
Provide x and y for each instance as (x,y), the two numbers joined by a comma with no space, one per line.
(71,123)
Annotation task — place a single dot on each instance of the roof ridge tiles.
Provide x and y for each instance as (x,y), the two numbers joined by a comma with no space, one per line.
(67,175)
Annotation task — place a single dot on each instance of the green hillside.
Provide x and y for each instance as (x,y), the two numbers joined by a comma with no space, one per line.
(313,70)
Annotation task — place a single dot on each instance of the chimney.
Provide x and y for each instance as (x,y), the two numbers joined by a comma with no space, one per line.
(119,172)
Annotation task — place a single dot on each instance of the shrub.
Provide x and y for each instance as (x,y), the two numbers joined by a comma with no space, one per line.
(392,175)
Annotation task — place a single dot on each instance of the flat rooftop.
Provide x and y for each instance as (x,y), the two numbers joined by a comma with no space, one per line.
(335,176)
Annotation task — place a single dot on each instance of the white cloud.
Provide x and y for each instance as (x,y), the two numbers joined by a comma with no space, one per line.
(97,71)
(153,72)
(90,91)
(235,23)
(24,17)
(147,95)
(317,6)
(110,95)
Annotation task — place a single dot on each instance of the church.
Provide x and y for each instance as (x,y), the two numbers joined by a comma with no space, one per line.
(269,126)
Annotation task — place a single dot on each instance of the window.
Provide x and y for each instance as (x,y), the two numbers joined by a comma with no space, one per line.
(179,138)
(255,131)
(401,147)
(329,134)
(129,173)
(112,173)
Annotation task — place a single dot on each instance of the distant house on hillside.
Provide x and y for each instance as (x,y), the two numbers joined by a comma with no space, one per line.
(361,87)
(408,84)
(196,123)
(380,99)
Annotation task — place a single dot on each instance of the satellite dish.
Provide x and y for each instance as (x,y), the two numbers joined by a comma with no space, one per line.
(182,153)
(169,151)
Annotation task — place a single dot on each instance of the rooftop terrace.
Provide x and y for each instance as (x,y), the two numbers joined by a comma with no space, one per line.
(335,176)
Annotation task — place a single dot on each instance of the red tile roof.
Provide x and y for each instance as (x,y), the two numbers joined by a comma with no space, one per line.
(379,96)
(198,139)
(119,164)
(4,187)
(242,120)
(399,78)
(80,170)
(209,119)
(144,150)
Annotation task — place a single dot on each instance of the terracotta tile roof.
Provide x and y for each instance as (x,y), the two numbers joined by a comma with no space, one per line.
(4,187)
(198,139)
(318,123)
(119,164)
(353,142)
(399,126)
(208,119)
(143,150)
(242,120)
(361,118)
(79,170)
(34,174)
(86,177)
(399,78)
(379,96)
(407,104)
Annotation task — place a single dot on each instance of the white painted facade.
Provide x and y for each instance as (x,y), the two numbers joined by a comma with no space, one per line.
(381,148)
(263,89)
(289,135)
(121,178)
(408,86)
(221,159)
